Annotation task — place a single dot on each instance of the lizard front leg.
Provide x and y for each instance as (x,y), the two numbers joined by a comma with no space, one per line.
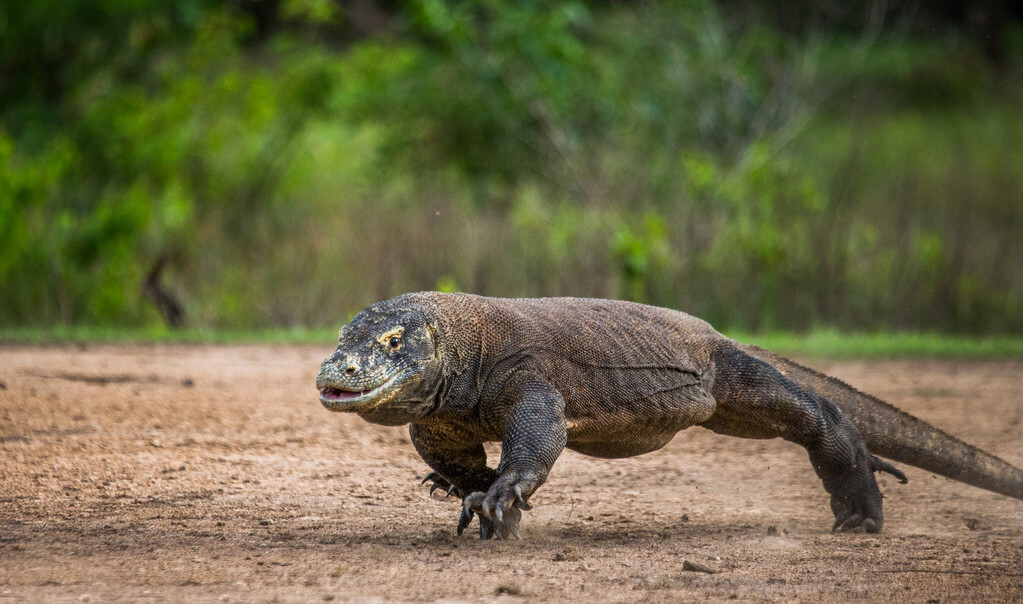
(532,412)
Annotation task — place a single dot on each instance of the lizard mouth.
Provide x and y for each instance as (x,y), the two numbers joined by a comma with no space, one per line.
(337,394)
(337,399)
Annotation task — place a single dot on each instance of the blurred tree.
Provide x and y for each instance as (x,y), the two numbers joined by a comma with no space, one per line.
(249,163)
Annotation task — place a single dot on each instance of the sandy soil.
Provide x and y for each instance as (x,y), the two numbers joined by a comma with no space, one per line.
(212,473)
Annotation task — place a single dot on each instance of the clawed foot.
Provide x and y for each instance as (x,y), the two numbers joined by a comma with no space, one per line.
(500,508)
(847,521)
(440,483)
(497,524)
(858,509)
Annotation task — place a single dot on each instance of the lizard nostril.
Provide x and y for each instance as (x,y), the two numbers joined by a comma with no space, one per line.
(350,370)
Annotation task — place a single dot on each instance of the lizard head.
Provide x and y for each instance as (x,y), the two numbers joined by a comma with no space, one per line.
(386,367)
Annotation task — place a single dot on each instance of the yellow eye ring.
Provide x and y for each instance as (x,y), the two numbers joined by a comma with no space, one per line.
(392,339)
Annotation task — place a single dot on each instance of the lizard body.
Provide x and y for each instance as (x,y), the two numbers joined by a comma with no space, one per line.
(610,379)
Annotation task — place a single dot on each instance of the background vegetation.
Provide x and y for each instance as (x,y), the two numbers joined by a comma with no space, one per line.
(283,163)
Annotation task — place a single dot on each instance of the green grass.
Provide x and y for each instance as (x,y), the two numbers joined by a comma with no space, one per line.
(826,344)
(836,345)
(117,335)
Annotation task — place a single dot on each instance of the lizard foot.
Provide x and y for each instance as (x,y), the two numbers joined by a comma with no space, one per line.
(505,527)
(856,500)
(440,483)
(500,507)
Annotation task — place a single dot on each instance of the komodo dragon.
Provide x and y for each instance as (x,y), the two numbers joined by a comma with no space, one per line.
(610,379)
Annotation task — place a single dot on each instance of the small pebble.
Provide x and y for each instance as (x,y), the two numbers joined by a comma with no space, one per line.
(511,590)
(696,567)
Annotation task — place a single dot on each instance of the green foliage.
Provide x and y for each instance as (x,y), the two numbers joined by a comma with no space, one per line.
(666,152)
(642,252)
(826,344)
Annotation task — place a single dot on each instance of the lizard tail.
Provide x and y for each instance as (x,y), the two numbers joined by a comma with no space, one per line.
(898,435)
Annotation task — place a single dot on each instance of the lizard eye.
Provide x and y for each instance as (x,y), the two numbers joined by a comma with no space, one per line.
(392,339)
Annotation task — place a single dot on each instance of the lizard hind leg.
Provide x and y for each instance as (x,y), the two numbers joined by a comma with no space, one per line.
(754,400)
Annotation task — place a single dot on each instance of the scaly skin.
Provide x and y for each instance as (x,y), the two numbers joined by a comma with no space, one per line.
(609,379)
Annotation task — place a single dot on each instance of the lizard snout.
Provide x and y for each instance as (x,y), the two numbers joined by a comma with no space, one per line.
(339,369)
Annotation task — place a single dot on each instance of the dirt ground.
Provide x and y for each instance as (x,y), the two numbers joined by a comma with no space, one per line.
(212,473)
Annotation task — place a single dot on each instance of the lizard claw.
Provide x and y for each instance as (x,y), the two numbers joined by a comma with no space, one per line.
(465,519)
(499,517)
(520,499)
(856,523)
(439,482)
(478,504)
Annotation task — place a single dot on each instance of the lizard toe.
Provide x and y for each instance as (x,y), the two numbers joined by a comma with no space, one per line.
(499,517)
(465,519)
(440,483)
(856,523)
(857,514)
